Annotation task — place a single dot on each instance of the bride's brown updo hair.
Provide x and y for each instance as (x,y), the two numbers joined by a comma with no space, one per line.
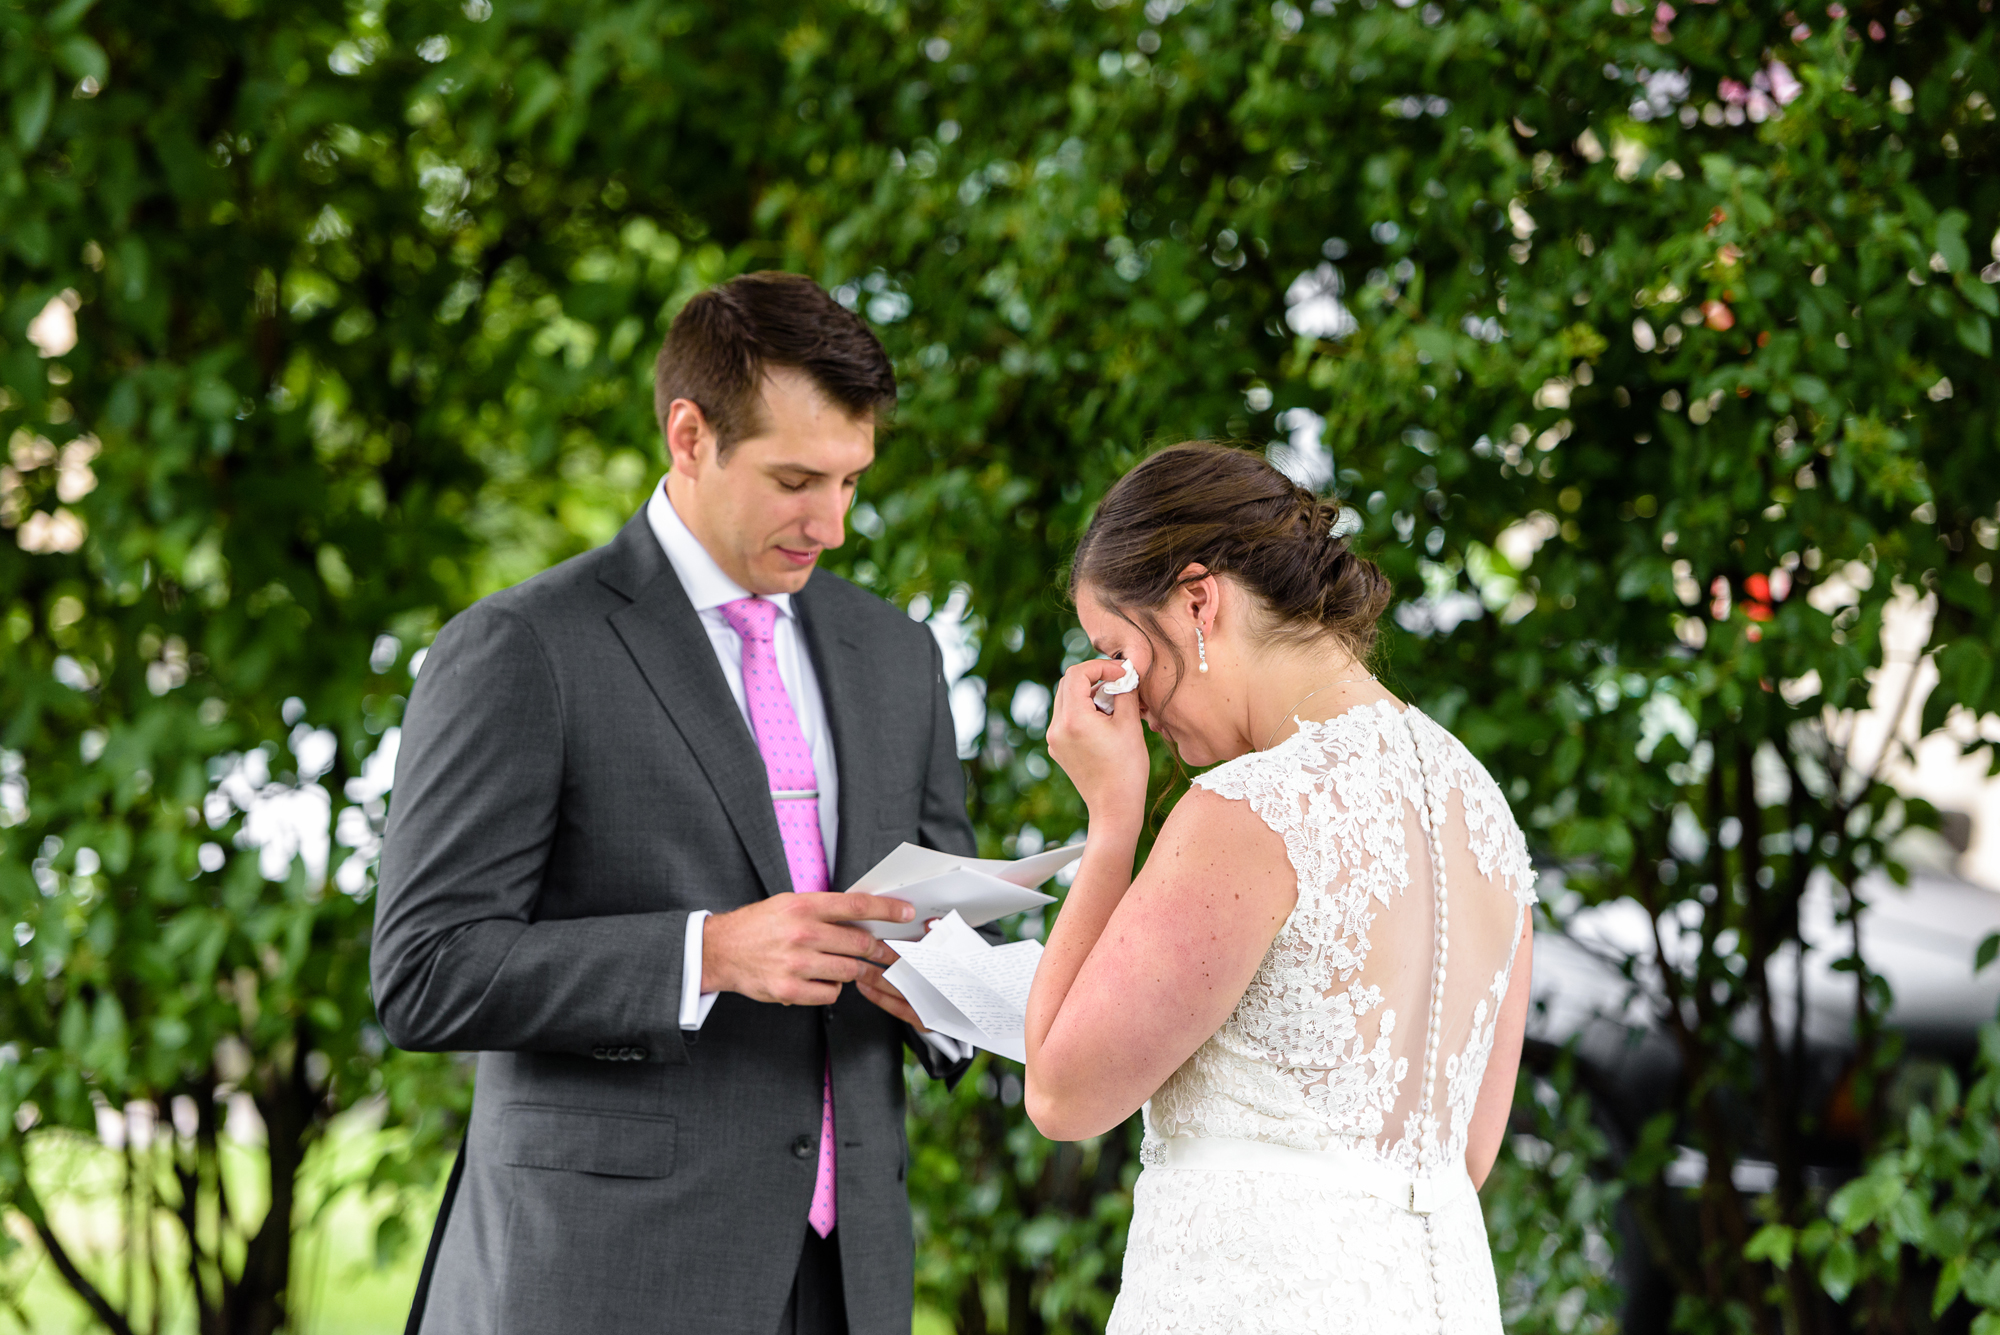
(1229,510)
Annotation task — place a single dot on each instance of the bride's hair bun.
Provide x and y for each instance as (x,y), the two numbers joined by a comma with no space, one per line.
(1228,509)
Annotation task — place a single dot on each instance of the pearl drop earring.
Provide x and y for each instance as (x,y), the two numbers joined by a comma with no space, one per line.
(1201,647)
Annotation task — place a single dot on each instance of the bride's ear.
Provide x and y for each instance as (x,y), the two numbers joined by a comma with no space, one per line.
(1201,594)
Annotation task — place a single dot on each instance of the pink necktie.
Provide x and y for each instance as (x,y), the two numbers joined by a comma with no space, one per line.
(788,760)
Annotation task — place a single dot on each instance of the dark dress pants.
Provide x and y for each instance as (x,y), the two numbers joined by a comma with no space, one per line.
(817,1305)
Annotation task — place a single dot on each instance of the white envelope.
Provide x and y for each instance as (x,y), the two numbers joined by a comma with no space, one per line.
(977,889)
(968,989)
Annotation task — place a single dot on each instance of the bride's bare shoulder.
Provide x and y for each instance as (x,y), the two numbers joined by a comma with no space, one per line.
(1214,846)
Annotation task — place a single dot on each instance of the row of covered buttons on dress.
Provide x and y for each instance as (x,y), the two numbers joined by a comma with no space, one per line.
(1437,814)
(619,1054)
(1437,1275)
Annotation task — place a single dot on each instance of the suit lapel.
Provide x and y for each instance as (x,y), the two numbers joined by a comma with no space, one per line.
(666,638)
(841,665)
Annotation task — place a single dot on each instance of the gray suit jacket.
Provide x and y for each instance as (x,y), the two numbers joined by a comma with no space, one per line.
(575,777)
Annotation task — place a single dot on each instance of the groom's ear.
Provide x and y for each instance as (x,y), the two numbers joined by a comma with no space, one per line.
(689,438)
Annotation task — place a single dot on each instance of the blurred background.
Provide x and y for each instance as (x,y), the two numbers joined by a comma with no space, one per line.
(1654,345)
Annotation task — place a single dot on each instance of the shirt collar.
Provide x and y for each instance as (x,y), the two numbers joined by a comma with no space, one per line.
(706,585)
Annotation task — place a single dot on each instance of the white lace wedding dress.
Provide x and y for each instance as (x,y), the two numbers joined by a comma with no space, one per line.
(1305,1169)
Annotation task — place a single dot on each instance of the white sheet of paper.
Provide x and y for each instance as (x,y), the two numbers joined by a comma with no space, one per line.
(977,889)
(963,987)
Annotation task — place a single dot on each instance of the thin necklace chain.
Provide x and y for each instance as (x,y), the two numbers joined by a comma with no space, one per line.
(1287,715)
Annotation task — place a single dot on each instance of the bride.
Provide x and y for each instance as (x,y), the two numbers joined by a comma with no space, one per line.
(1316,985)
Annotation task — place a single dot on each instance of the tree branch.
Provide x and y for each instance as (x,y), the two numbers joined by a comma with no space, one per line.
(30,1205)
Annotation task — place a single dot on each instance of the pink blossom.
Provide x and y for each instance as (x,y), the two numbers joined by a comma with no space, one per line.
(1664,14)
(1761,107)
(1836,11)
(1785,88)
(1731,91)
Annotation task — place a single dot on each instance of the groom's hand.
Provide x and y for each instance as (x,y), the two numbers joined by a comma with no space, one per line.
(883,993)
(797,949)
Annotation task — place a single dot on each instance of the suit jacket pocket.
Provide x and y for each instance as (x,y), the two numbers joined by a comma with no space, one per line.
(577,1140)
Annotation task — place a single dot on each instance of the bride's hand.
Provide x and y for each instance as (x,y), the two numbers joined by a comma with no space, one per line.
(1104,755)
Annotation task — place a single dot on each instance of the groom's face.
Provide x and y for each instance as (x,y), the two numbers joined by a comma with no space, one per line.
(779,497)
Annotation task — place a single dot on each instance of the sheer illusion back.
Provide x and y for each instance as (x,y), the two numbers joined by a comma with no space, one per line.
(1369,1023)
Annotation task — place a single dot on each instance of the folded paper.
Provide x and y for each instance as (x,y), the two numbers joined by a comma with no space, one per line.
(962,986)
(977,889)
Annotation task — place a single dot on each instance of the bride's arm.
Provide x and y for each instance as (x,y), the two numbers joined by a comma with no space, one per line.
(1139,971)
(1503,1064)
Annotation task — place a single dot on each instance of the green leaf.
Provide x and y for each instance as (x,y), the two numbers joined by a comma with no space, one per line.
(1864,1201)
(214,398)
(1965,668)
(392,1236)
(1950,239)
(1643,577)
(1949,1283)
(1773,1243)
(1988,948)
(1989,1045)
(1976,334)
(1839,1270)
(82,58)
(335,572)
(68,14)
(1583,342)
(1982,1282)
(32,103)
(1980,294)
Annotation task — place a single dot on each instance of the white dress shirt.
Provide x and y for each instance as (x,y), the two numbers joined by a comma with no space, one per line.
(708,588)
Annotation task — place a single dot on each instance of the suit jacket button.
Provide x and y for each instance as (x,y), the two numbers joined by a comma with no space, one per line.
(802,1148)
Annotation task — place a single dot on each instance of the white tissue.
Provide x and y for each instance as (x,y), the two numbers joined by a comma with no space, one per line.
(1124,685)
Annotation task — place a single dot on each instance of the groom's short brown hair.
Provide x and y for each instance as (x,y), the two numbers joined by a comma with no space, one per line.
(723,340)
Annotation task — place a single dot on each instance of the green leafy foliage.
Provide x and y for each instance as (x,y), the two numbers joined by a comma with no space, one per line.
(1657,388)
(1924,1208)
(1550,1208)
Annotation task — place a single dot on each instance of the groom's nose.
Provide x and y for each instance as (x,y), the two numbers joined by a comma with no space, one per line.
(825,519)
(825,524)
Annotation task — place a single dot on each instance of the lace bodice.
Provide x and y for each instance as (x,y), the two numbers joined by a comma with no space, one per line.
(1371,1018)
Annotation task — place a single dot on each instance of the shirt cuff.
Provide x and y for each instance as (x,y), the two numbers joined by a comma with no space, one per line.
(695,1003)
(946,1047)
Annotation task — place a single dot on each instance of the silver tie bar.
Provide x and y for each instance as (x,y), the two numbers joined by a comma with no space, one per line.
(794,794)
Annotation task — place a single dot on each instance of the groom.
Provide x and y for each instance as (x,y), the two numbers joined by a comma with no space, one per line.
(628,792)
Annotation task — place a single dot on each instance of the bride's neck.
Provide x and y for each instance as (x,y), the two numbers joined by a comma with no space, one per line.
(1311,681)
